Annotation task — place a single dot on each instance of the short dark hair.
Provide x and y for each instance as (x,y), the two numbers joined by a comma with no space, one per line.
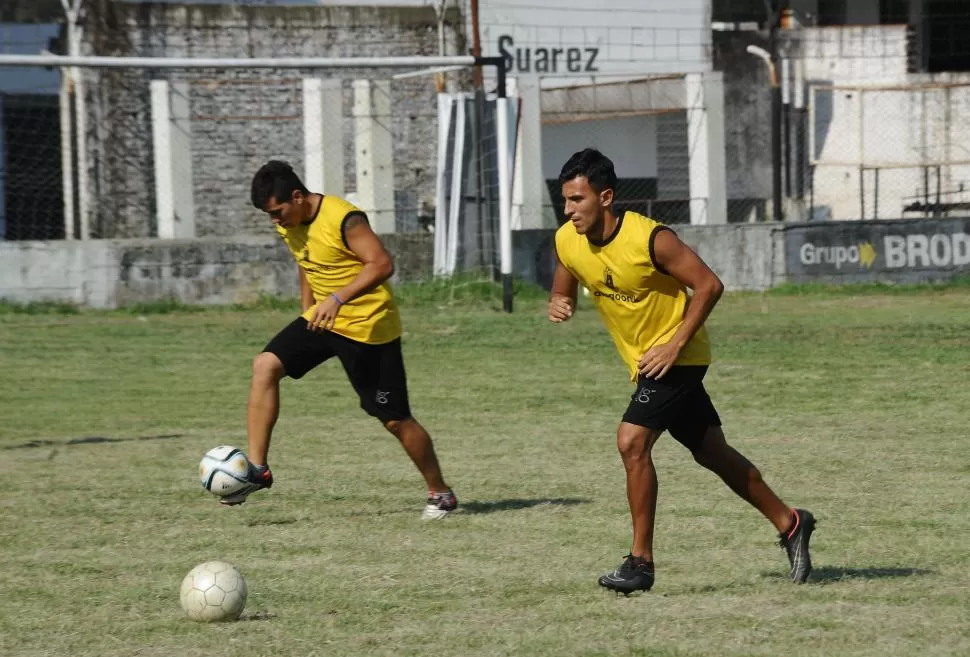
(592,165)
(275,179)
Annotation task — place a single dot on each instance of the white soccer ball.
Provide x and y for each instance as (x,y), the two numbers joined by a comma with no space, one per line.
(223,470)
(213,591)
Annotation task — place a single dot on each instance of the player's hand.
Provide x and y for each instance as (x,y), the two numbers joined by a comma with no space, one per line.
(560,308)
(325,315)
(658,360)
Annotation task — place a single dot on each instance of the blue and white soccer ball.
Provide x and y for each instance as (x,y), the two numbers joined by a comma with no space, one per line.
(223,470)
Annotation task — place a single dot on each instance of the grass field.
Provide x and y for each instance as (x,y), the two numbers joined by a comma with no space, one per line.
(853,405)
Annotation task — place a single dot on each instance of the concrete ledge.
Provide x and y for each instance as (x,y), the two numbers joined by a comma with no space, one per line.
(114,273)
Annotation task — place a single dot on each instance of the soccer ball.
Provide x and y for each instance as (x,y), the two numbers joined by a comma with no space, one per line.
(223,470)
(213,591)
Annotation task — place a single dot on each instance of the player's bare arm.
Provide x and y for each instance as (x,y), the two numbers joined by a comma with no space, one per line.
(562,299)
(306,293)
(680,261)
(378,267)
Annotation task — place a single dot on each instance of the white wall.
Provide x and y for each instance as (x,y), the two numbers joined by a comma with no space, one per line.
(568,41)
(630,142)
(898,123)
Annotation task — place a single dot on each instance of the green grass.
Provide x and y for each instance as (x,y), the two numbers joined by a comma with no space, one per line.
(854,406)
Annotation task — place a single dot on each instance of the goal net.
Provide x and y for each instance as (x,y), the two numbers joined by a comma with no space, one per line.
(166,148)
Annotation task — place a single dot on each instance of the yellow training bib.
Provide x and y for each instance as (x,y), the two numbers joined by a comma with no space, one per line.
(321,251)
(640,304)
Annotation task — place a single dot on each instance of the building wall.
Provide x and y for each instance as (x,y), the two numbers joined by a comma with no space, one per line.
(747,117)
(241,118)
(878,116)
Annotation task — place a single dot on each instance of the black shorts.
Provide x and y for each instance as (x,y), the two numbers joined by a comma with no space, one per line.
(376,371)
(677,403)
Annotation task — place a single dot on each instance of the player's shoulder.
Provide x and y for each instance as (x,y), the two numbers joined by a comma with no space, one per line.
(339,207)
(565,232)
(332,215)
(641,221)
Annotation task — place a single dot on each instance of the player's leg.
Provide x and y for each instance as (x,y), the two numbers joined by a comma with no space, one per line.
(700,431)
(377,374)
(420,449)
(635,444)
(263,407)
(652,405)
(293,352)
(636,573)
(741,476)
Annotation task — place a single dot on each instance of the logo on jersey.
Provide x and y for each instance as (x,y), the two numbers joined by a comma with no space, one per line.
(381,397)
(608,279)
(615,294)
(305,255)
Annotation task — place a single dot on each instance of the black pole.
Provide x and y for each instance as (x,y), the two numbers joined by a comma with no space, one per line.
(800,128)
(773,9)
(926,191)
(786,126)
(811,192)
(875,196)
(937,210)
(776,138)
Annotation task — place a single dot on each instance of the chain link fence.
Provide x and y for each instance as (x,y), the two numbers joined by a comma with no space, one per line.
(888,152)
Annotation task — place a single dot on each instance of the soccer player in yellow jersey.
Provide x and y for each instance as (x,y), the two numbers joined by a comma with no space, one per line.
(638,273)
(348,313)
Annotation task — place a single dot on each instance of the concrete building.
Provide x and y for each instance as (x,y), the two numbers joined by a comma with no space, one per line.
(872,94)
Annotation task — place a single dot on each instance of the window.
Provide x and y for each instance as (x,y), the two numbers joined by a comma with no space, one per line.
(830,12)
(893,12)
(738,11)
(946,31)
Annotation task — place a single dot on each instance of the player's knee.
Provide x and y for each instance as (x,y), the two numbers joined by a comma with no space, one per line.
(399,427)
(268,366)
(634,442)
(406,427)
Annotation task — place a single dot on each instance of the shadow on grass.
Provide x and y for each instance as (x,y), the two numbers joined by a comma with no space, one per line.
(832,574)
(515,504)
(88,440)
(829,574)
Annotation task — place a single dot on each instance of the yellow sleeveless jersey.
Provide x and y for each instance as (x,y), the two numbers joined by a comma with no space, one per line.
(328,263)
(640,304)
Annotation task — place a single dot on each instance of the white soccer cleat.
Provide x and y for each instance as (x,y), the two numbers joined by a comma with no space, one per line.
(439,505)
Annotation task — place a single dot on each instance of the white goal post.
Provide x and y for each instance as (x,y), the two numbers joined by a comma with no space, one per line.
(418,64)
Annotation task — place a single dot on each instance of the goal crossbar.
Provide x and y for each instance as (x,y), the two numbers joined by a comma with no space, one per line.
(235,62)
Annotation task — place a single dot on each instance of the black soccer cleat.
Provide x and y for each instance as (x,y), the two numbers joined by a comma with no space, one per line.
(795,541)
(257,478)
(634,574)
